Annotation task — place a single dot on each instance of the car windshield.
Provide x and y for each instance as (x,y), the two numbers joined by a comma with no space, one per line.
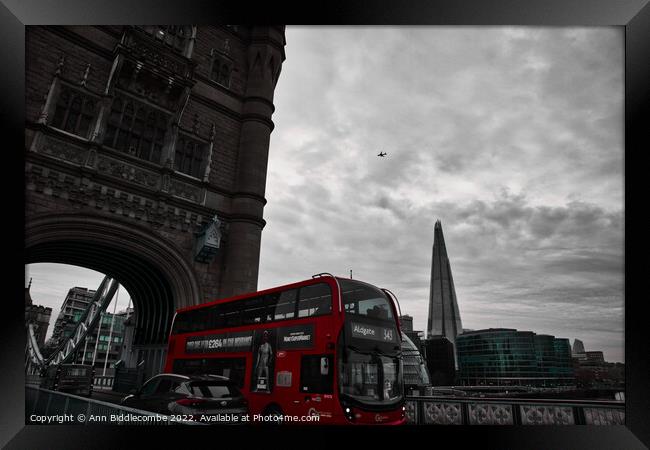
(210,389)
(370,377)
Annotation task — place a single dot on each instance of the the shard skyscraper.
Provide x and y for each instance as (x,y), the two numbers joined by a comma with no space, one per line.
(444,318)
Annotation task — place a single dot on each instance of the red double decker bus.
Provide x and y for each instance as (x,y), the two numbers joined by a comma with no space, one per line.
(327,346)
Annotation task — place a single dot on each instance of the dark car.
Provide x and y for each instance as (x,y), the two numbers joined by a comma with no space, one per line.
(74,379)
(202,398)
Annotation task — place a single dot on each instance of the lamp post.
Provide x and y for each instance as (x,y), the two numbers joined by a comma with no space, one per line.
(110,333)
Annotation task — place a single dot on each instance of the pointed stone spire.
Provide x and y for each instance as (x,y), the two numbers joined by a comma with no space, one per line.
(84,79)
(60,65)
(444,318)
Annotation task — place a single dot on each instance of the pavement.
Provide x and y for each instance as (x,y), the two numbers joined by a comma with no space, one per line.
(109,396)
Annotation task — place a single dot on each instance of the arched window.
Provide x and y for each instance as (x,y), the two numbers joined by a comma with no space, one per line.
(221,70)
(74,112)
(189,156)
(137,129)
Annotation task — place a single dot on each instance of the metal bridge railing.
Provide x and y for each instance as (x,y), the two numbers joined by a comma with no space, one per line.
(62,408)
(431,410)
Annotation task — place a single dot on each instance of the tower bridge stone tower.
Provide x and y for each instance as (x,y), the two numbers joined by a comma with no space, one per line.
(136,138)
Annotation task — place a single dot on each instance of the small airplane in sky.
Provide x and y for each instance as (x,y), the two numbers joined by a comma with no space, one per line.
(382,154)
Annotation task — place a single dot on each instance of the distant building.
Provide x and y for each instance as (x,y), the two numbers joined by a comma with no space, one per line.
(564,366)
(578,347)
(595,357)
(102,345)
(74,305)
(416,376)
(505,357)
(444,318)
(440,357)
(417,337)
(593,372)
(37,315)
(406,323)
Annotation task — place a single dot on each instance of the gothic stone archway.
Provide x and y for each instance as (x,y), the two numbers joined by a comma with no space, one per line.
(154,271)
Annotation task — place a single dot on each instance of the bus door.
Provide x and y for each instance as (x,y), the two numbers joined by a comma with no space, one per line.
(316,386)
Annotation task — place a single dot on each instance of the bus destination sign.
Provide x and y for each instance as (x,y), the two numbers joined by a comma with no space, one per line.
(224,342)
(373,332)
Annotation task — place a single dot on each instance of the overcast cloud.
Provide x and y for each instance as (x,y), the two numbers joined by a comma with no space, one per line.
(513,137)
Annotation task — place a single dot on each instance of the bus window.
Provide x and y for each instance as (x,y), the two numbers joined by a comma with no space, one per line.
(285,308)
(253,310)
(316,374)
(315,300)
(232,316)
(365,301)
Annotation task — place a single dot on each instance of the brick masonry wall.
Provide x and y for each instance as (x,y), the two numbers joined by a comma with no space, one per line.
(47,194)
(226,143)
(208,38)
(43,50)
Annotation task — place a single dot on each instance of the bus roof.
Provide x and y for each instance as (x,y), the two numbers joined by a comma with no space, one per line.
(314,280)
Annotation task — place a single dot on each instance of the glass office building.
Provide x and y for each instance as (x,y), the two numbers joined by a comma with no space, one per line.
(416,376)
(505,357)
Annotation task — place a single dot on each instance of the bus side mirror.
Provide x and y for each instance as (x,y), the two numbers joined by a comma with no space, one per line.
(324,366)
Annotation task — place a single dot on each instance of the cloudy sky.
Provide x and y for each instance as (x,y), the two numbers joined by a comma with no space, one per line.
(512,137)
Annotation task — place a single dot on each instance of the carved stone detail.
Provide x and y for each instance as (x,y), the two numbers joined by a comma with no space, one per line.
(490,414)
(61,150)
(128,172)
(411,411)
(84,192)
(186,191)
(546,415)
(143,51)
(601,416)
(440,413)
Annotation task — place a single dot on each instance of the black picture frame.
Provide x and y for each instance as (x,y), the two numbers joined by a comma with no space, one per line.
(633,15)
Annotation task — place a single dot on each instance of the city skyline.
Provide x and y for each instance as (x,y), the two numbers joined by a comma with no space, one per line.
(513,137)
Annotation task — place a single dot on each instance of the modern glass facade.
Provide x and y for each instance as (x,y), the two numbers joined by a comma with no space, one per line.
(444,317)
(415,369)
(500,356)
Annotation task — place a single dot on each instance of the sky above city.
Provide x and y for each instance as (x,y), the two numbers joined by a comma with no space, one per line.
(512,137)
